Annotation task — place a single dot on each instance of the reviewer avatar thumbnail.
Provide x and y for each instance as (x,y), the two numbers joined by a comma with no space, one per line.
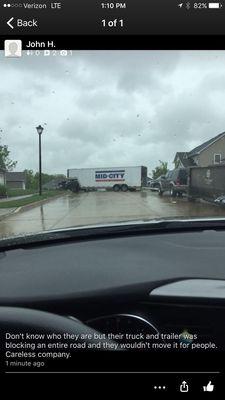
(13,48)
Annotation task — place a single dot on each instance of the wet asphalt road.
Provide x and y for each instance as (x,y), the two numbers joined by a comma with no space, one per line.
(102,207)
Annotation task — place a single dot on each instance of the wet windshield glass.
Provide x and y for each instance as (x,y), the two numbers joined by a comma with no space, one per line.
(88,137)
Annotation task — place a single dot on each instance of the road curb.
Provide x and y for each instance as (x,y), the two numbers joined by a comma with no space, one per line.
(30,206)
(2,217)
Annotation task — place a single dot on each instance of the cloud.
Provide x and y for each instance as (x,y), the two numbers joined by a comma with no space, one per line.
(105,108)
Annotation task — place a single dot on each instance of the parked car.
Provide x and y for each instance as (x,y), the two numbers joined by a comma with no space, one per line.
(155,183)
(149,181)
(175,181)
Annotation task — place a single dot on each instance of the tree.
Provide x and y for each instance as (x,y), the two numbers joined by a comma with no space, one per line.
(29,176)
(161,169)
(60,176)
(5,162)
(32,179)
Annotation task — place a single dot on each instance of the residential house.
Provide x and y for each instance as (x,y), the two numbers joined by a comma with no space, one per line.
(208,153)
(15,180)
(182,160)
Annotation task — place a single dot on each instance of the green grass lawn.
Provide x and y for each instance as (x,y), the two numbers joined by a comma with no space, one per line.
(30,200)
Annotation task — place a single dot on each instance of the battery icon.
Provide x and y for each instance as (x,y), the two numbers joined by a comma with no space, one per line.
(214,5)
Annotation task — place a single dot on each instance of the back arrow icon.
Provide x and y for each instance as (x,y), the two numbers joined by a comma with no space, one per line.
(9,22)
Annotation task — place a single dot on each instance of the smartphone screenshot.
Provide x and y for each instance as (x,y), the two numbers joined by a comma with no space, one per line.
(112,191)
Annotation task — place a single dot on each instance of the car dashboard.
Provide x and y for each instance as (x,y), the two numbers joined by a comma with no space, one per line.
(161,284)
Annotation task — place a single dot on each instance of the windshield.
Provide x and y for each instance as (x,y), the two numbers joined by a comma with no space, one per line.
(87,137)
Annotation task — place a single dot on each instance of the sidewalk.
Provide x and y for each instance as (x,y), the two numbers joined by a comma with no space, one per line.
(15,197)
(4,212)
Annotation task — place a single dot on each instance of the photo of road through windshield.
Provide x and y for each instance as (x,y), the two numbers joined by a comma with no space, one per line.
(102,208)
(97,137)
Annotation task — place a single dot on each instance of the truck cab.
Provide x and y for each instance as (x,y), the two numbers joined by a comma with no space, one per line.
(175,181)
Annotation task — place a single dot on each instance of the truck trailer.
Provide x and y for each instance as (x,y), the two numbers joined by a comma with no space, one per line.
(111,178)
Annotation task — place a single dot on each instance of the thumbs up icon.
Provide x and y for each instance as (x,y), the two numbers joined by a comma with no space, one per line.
(209,387)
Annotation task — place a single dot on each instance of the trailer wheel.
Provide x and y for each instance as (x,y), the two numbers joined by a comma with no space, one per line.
(124,188)
(116,188)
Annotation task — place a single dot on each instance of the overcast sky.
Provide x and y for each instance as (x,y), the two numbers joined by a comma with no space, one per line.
(110,108)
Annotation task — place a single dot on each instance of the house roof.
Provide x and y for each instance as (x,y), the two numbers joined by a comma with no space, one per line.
(15,177)
(204,145)
(183,157)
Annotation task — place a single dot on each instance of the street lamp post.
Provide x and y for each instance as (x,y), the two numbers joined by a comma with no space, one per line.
(39,131)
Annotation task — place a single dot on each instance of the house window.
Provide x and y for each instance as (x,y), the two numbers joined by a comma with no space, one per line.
(217,158)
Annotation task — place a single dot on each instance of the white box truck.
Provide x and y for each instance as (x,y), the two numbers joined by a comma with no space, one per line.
(112,178)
